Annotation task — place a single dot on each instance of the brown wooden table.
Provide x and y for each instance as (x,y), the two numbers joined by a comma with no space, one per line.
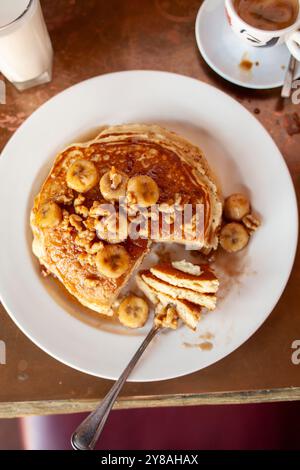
(93,37)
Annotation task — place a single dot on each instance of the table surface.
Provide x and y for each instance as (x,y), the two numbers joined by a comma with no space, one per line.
(92,37)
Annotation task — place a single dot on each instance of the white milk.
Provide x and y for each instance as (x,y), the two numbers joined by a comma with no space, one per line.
(25,46)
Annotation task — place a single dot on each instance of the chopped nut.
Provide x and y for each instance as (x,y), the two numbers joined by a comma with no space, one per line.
(82,210)
(75,221)
(84,239)
(90,223)
(79,200)
(251,222)
(65,214)
(95,247)
(100,209)
(82,243)
(66,199)
(66,219)
(115,178)
(87,235)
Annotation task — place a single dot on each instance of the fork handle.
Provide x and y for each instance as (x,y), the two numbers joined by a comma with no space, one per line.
(88,432)
(288,80)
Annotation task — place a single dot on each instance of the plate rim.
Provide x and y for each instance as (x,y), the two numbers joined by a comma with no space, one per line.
(295,234)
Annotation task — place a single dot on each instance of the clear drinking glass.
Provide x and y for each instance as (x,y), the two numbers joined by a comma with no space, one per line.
(26,53)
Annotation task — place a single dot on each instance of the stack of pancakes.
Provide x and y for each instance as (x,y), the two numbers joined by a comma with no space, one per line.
(67,249)
(181,286)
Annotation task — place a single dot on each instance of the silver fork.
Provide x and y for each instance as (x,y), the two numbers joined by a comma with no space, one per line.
(88,432)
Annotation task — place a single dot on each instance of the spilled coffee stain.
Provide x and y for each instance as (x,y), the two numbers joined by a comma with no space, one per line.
(204,346)
(246,64)
(207,336)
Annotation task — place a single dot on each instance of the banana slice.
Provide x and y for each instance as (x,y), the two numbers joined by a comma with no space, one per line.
(236,207)
(112,261)
(133,312)
(82,176)
(113,229)
(234,237)
(113,185)
(142,190)
(49,215)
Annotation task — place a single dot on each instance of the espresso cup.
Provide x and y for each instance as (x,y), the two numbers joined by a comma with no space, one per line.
(264,38)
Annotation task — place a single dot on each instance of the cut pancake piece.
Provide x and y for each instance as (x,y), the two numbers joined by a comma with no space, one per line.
(206,282)
(147,290)
(205,300)
(187,311)
(166,317)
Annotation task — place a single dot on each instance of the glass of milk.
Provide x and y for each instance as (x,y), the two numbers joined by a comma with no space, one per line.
(26,52)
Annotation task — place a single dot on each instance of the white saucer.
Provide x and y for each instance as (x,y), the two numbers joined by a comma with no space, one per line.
(224,52)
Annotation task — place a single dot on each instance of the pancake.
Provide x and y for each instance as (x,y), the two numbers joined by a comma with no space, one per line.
(188,312)
(206,282)
(205,300)
(71,245)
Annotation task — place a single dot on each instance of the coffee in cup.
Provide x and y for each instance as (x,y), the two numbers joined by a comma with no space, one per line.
(269,15)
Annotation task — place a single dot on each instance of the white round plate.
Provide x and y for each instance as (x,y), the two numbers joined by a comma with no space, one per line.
(224,52)
(244,157)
